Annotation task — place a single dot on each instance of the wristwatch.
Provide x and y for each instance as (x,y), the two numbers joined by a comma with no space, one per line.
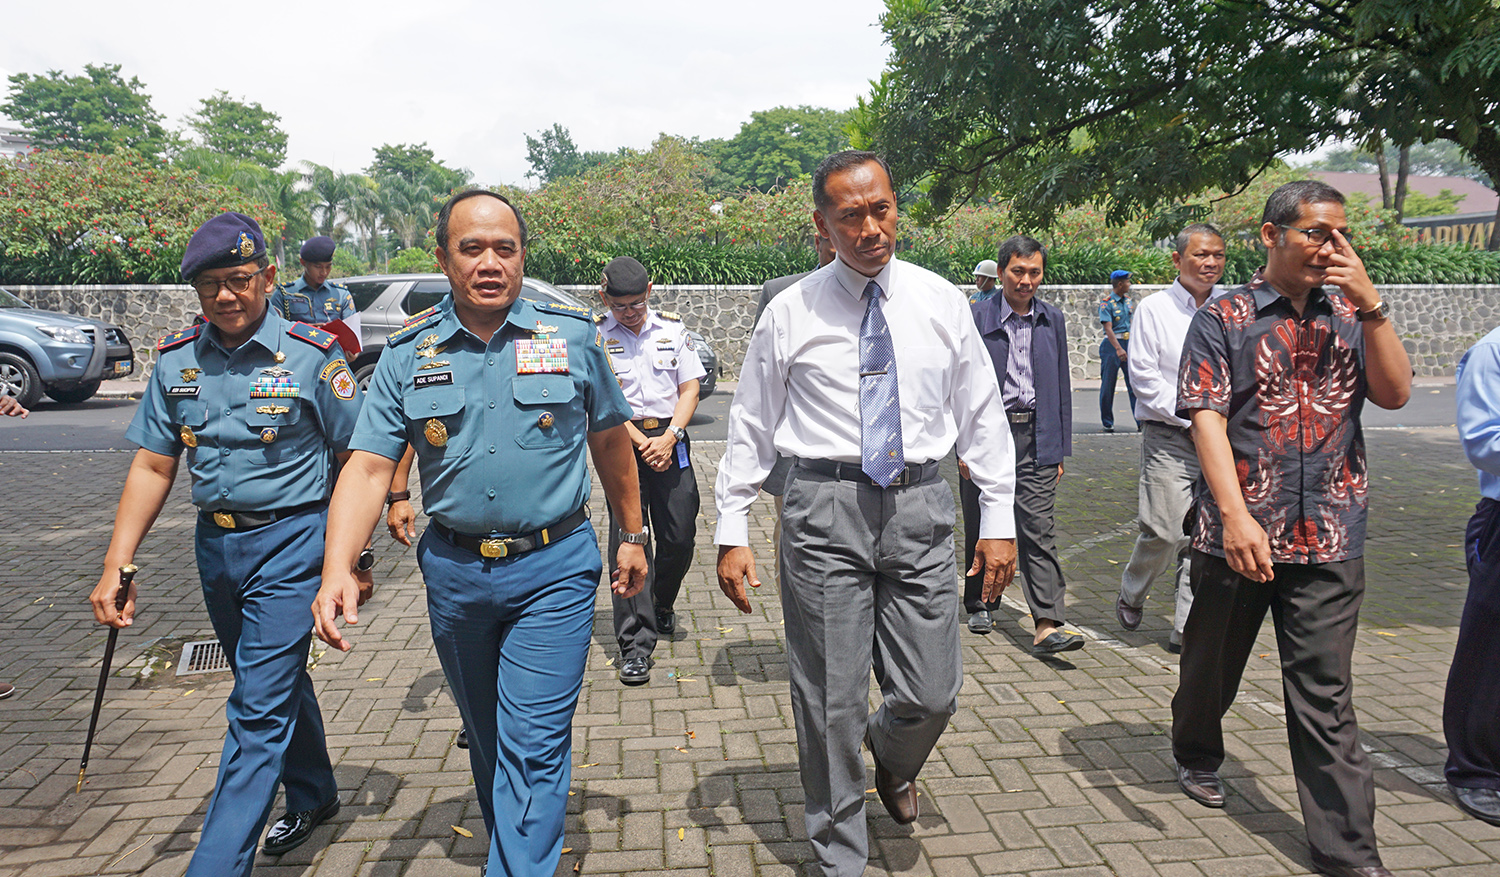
(679,432)
(635,538)
(366,560)
(1379,312)
(396,496)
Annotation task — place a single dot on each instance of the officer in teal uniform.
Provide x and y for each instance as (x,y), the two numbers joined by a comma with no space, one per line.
(261,407)
(312,298)
(499,396)
(1115,312)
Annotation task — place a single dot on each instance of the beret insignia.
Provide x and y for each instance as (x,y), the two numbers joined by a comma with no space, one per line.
(246,247)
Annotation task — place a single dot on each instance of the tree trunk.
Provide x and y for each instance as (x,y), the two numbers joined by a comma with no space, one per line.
(1383,170)
(1486,154)
(1403,170)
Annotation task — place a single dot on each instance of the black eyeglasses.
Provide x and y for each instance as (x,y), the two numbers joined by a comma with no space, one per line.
(1320,236)
(236,283)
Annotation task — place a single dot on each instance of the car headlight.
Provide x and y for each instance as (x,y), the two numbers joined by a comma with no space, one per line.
(66,334)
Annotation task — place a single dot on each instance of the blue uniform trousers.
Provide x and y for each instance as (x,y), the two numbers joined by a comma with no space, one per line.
(513,635)
(1109,373)
(259,586)
(1471,709)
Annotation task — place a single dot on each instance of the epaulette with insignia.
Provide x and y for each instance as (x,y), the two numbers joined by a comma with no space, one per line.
(410,328)
(599,317)
(336,285)
(314,336)
(180,337)
(419,316)
(553,307)
(670,315)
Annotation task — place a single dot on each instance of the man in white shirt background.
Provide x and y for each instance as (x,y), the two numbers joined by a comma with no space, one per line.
(1169,462)
(867,372)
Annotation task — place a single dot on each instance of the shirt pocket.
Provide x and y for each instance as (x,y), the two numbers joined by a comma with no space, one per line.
(189,414)
(548,411)
(922,375)
(435,412)
(269,423)
(665,361)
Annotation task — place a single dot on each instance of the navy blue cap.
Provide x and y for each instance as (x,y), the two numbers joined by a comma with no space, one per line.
(318,249)
(625,276)
(1117,276)
(225,241)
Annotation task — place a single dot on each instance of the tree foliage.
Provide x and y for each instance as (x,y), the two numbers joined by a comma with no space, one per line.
(245,131)
(1134,104)
(98,112)
(553,156)
(779,145)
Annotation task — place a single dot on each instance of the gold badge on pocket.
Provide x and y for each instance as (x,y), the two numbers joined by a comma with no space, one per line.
(188,438)
(268,434)
(437,433)
(546,420)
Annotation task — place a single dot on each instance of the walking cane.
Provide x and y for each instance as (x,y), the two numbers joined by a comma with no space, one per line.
(127,572)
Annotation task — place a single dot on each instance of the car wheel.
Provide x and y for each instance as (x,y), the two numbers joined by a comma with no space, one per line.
(19,379)
(78,394)
(362,376)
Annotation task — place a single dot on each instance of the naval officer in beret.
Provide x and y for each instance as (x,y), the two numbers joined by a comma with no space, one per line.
(499,396)
(261,407)
(313,298)
(658,370)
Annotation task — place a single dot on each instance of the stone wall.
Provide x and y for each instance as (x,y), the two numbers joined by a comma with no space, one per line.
(1438,323)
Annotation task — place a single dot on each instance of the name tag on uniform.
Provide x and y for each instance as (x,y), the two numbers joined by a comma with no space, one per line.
(436,379)
(183,391)
(541,356)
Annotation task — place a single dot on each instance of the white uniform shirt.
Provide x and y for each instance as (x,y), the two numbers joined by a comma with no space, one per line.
(1156,337)
(799,389)
(651,365)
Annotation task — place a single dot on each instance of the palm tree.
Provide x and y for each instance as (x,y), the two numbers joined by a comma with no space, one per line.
(332,193)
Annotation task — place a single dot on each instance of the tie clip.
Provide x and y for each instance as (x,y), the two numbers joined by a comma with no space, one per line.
(872,374)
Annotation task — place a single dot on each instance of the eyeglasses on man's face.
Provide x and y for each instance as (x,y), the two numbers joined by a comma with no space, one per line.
(235,283)
(627,308)
(1319,236)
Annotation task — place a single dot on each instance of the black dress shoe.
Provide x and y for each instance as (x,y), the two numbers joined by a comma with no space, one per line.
(980,622)
(293,829)
(898,795)
(1333,869)
(1128,616)
(666,621)
(1057,641)
(462,741)
(635,671)
(1174,648)
(1482,804)
(1203,786)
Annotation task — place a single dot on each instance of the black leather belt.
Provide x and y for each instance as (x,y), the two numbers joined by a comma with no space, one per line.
(1024,415)
(508,546)
(226,520)
(914,473)
(657,425)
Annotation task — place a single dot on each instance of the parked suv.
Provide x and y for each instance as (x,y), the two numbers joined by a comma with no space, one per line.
(58,354)
(386,300)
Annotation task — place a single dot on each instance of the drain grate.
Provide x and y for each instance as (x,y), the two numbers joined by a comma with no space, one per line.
(206,656)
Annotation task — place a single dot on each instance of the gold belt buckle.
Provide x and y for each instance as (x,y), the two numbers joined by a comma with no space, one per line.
(650,423)
(224,520)
(493,548)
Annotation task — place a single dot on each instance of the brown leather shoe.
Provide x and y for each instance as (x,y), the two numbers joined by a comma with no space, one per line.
(1203,786)
(898,795)
(1334,870)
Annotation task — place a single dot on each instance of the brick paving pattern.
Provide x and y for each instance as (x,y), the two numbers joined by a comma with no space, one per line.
(1051,767)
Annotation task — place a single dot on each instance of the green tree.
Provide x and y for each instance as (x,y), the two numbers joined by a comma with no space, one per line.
(415,164)
(286,192)
(778,145)
(553,156)
(1133,105)
(243,130)
(97,112)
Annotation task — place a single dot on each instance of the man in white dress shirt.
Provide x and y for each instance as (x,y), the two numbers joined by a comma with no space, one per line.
(866,372)
(1169,462)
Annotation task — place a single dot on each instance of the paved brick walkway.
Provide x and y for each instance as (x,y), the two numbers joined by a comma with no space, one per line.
(1050,767)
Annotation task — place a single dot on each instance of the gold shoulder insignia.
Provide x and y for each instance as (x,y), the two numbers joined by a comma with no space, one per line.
(670,315)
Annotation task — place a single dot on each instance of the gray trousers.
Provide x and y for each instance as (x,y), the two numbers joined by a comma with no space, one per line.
(868,580)
(1169,469)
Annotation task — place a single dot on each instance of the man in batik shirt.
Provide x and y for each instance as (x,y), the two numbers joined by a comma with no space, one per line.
(1274,375)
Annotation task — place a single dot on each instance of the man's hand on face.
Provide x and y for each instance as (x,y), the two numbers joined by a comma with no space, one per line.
(1347,272)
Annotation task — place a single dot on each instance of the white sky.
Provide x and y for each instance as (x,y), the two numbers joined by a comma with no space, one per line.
(468,77)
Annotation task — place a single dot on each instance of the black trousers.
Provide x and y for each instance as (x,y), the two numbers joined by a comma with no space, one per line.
(1036,549)
(1315,608)
(669,505)
(1471,706)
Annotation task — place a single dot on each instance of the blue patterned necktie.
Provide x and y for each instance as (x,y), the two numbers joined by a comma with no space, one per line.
(880,450)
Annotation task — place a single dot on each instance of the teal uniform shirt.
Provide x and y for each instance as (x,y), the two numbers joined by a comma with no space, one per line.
(327,303)
(499,428)
(259,434)
(1117,310)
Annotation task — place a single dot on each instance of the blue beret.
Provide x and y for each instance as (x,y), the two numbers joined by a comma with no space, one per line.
(319,249)
(1117,276)
(225,241)
(625,276)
